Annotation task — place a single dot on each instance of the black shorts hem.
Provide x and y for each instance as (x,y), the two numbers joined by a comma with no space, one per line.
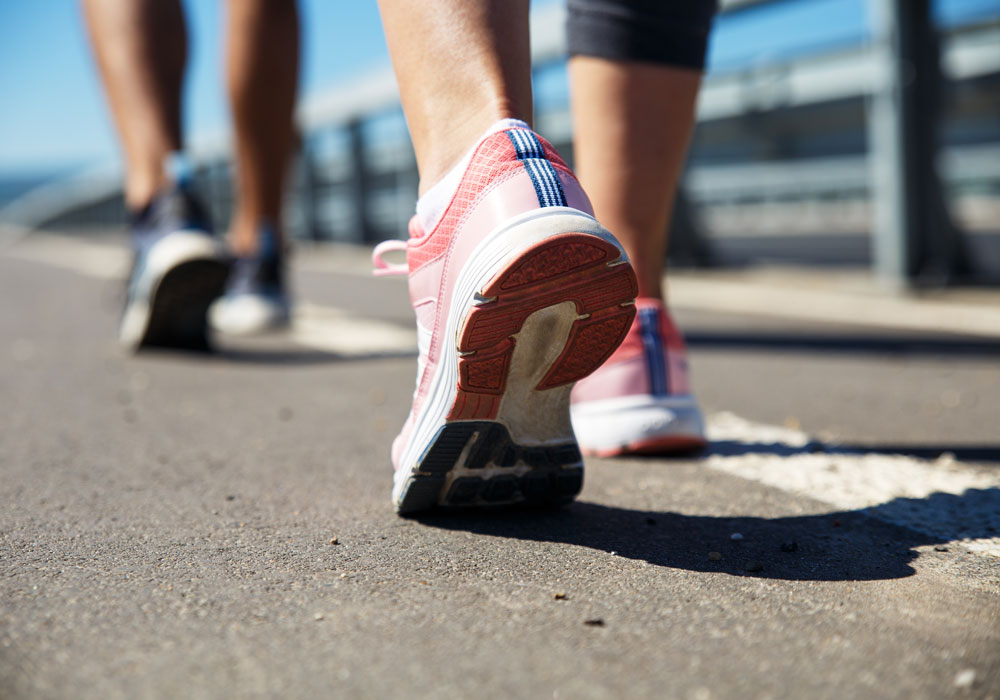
(641,31)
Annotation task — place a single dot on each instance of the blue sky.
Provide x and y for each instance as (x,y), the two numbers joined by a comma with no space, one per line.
(53,110)
(53,114)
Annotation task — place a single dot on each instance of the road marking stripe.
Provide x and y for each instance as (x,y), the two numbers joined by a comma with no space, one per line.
(942,498)
(337,331)
(104,261)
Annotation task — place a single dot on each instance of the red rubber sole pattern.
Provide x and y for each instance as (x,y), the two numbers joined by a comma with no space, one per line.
(577,267)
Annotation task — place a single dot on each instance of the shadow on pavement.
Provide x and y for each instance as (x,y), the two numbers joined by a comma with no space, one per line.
(836,546)
(840,343)
(735,448)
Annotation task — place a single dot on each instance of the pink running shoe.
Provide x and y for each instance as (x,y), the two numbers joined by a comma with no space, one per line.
(518,293)
(640,400)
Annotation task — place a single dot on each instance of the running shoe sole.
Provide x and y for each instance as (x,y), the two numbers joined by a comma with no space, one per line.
(549,305)
(188,275)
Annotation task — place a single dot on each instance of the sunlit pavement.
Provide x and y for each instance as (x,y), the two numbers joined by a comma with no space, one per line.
(190,526)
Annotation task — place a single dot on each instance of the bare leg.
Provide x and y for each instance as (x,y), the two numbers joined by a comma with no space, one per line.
(632,124)
(484,46)
(141,48)
(263,62)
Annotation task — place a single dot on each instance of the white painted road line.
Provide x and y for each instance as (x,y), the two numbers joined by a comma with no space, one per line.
(78,254)
(337,331)
(942,498)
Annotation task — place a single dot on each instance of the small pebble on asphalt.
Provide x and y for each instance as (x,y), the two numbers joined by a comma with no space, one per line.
(318,617)
(736,536)
(559,596)
(965,678)
(334,540)
(941,548)
(715,556)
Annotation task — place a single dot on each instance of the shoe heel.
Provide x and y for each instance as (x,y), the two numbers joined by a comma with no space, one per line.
(476,463)
(586,274)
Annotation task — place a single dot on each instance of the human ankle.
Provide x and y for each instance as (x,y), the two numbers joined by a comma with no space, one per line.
(434,201)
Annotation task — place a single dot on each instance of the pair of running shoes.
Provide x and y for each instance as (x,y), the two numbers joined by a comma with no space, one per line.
(533,348)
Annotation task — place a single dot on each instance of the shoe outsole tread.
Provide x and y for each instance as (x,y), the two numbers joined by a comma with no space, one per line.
(490,469)
(178,309)
(587,275)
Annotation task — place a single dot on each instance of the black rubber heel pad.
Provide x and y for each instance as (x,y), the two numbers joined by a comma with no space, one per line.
(554,474)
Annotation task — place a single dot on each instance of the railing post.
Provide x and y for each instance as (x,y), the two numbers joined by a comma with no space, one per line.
(915,241)
(359,185)
(309,199)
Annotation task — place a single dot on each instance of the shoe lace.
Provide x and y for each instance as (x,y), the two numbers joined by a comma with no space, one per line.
(384,268)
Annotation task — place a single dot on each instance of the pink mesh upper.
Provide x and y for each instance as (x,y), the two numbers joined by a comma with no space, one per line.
(494,161)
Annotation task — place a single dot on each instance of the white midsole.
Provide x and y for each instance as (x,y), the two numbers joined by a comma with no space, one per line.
(248,314)
(609,424)
(496,251)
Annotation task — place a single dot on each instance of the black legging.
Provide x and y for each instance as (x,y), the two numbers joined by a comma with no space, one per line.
(668,32)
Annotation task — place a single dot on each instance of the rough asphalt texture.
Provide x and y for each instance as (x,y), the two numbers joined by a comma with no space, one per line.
(206,527)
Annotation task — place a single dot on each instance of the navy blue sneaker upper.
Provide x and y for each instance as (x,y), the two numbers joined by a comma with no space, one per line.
(173,209)
(262,273)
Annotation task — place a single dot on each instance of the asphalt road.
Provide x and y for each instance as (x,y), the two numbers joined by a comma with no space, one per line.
(205,527)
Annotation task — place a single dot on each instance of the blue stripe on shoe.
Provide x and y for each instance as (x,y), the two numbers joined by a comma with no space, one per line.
(656,357)
(543,174)
(526,144)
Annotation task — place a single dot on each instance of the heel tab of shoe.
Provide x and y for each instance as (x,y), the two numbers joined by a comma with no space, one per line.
(432,206)
(527,138)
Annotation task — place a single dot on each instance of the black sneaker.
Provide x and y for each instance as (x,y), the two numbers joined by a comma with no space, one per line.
(178,270)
